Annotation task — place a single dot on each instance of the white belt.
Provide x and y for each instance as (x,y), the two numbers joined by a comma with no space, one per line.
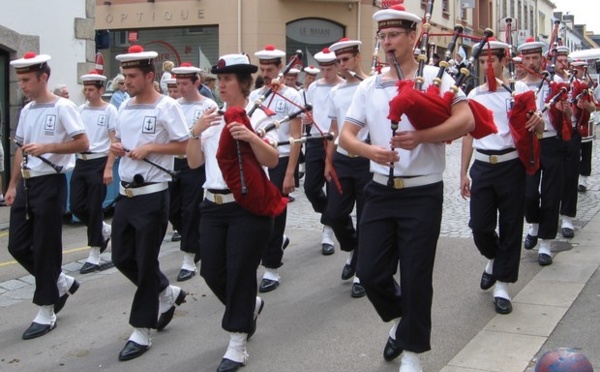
(494,159)
(219,198)
(344,152)
(401,183)
(548,134)
(97,155)
(143,190)
(28,173)
(180,156)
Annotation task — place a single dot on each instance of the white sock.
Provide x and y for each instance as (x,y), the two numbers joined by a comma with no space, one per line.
(545,247)
(567,222)
(583,181)
(167,298)
(394,328)
(188,261)
(106,230)
(489,268)
(94,256)
(356,280)
(141,336)
(45,315)
(501,290)
(327,236)
(411,362)
(349,259)
(271,274)
(63,283)
(533,229)
(236,350)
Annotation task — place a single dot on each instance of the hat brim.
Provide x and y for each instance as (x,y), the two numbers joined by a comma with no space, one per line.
(234,69)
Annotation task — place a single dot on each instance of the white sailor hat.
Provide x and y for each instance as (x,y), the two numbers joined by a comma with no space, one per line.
(494,44)
(93,78)
(562,50)
(396,16)
(326,57)
(311,70)
(578,63)
(171,83)
(518,59)
(136,57)
(30,62)
(185,71)
(346,45)
(234,63)
(293,71)
(530,46)
(270,55)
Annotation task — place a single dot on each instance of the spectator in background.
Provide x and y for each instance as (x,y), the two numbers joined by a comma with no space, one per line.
(166,66)
(211,82)
(61,90)
(119,91)
(203,89)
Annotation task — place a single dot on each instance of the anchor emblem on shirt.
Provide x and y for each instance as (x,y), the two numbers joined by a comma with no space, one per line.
(50,125)
(102,120)
(149,125)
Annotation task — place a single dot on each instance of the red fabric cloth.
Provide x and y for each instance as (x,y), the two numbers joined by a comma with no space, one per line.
(528,146)
(559,120)
(262,198)
(582,115)
(484,120)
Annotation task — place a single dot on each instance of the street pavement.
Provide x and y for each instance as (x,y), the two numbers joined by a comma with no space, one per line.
(310,323)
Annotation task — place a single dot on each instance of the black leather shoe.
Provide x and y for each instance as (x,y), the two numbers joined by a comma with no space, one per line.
(36,330)
(358,291)
(132,350)
(530,242)
(567,233)
(348,272)
(253,329)
(185,275)
(581,188)
(62,300)
(487,281)
(228,365)
(544,259)
(104,245)
(89,268)
(165,318)
(502,305)
(176,237)
(327,249)
(285,244)
(391,351)
(267,285)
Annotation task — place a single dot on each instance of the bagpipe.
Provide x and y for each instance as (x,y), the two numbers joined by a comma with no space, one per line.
(170,172)
(57,168)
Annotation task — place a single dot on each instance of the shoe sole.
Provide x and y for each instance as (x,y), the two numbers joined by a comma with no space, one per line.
(169,313)
(269,289)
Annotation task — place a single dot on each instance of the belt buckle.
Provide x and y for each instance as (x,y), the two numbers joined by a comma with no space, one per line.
(493,159)
(352,156)
(129,193)
(180,157)
(84,156)
(218,199)
(25,173)
(398,183)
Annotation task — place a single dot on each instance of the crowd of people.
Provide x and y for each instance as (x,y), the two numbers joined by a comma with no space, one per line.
(191,145)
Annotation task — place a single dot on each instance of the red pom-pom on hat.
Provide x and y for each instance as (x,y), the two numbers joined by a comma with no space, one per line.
(344,39)
(269,47)
(29,55)
(326,50)
(135,49)
(186,64)
(311,66)
(399,7)
(93,72)
(530,39)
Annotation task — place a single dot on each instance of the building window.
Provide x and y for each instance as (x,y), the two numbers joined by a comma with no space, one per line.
(525,17)
(483,13)
(445,7)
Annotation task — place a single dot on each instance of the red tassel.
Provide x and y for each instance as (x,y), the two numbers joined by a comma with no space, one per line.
(491,77)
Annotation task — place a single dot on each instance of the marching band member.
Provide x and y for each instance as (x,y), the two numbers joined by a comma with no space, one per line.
(352,171)
(285,102)
(94,168)
(172,89)
(233,238)
(585,166)
(400,224)
(150,128)
(498,182)
(49,132)
(186,191)
(542,195)
(315,157)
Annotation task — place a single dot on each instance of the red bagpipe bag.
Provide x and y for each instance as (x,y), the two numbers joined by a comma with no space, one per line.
(262,198)
(429,109)
(582,115)
(559,120)
(526,142)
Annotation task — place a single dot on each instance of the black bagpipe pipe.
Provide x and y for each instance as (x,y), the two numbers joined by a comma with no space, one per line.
(393,123)
(277,123)
(458,30)
(553,51)
(170,172)
(355,75)
(554,99)
(304,139)
(375,60)
(422,58)
(465,71)
(57,168)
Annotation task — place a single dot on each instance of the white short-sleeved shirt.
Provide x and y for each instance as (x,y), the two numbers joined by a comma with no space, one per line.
(161,123)
(318,96)
(290,103)
(499,102)
(340,98)
(98,122)
(54,122)
(193,110)
(541,99)
(370,109)
(210,144)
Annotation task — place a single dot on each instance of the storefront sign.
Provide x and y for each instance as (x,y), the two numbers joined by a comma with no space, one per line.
(314,31)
